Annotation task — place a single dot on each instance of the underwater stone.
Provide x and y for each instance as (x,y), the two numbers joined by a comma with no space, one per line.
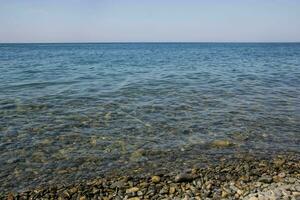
(221,143)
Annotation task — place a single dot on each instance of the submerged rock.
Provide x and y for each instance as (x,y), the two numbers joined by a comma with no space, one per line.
(93,141)
(107,116)
(136,156)
(221,143)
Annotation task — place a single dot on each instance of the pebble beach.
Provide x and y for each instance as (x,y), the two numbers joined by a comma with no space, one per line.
(250,179)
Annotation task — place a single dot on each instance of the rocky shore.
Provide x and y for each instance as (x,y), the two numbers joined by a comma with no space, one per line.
(250,179)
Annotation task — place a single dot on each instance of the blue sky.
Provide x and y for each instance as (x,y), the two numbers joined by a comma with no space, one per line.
(149,20)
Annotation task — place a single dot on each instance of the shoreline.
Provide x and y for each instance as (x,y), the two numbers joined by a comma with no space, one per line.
(247,178)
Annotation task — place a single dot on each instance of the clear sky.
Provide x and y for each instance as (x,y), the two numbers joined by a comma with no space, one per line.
(149,20)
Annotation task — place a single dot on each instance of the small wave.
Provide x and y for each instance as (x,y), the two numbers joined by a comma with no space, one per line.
(38,84)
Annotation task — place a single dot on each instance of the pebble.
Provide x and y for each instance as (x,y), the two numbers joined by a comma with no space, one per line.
(118,184)
(265,179)
(253,198)
(155,179)
(134,198)
(82,198)
(239,192)
(164,190)
(140,193)
(132,190)
(296,194)
(10,196)
(279,162)
(291,180)
(183,177)
(172,190)
(224,194)
(208,186)
(221,143)
(281,175)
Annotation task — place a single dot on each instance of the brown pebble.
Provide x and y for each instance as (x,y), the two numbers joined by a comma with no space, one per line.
(239,192)
(209,185)
(279,162)
(10,196)
(221,143)
(82,198)
(134,198)
(224,194)
(155,179)
(281,175)
(172,190)
(131,190)
(194,171)
(73,190)
(253,198)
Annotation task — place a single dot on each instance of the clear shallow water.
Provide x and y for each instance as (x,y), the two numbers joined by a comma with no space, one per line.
(74,111)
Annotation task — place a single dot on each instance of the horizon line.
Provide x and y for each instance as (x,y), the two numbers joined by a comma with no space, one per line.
(143,42)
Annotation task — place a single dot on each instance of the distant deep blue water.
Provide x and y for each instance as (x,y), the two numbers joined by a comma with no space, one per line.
(74,111)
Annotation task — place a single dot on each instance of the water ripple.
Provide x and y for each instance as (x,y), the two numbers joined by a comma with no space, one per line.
(83,109)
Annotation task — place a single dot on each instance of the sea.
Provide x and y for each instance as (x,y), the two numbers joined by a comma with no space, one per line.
(76,111)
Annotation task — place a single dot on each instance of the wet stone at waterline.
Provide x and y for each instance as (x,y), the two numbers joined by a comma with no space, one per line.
(247,178)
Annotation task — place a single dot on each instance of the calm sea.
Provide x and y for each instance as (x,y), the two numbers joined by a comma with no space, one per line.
(75,111)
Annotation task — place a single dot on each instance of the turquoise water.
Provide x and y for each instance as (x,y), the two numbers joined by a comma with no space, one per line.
(75,111)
